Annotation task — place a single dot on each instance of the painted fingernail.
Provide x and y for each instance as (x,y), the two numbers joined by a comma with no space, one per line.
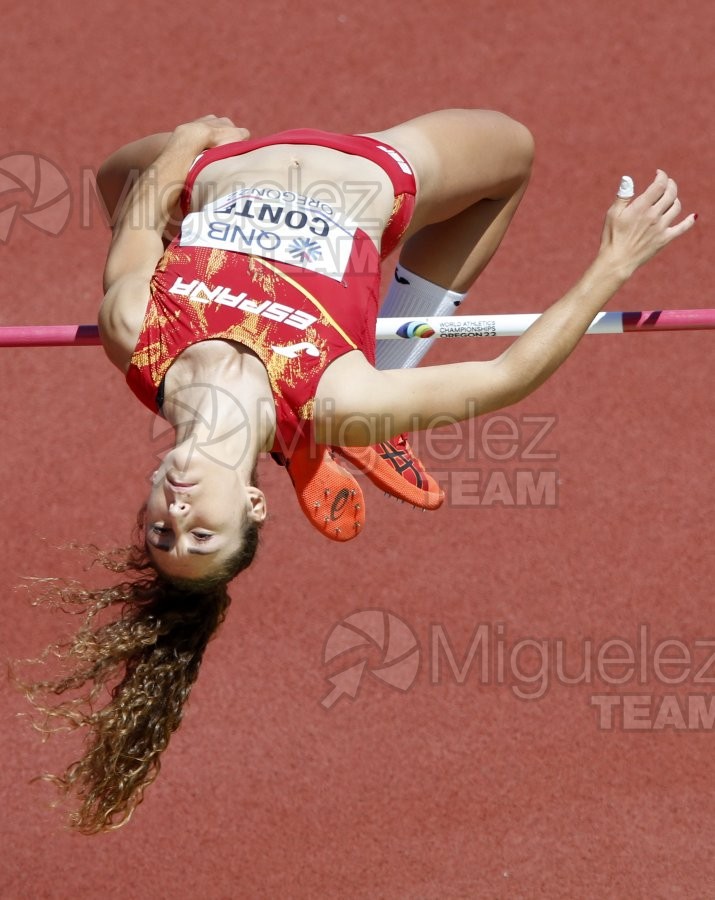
(625,189)
(695,217)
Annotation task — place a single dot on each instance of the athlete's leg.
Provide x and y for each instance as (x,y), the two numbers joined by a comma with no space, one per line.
(472,169)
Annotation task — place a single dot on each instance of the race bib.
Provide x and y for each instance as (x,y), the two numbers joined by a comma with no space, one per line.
(274,224)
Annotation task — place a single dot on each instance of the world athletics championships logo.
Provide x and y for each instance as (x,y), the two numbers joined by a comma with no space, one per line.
(415,329)
(399,654)
(47,188)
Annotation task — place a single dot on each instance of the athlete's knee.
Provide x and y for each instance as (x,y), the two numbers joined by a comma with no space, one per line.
(518,142)
(524,141)
(500,142)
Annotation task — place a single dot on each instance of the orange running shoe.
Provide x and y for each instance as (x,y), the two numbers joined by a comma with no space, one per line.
(392,466)
(328,494)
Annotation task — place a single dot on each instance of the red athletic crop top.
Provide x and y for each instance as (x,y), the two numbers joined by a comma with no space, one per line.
(287,275)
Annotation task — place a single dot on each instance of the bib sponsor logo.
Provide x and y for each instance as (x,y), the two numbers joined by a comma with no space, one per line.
(268,309)
(305,250)
(277,225)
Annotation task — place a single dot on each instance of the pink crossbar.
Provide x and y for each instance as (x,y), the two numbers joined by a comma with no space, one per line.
(646,320)
(48,335)
(669,320)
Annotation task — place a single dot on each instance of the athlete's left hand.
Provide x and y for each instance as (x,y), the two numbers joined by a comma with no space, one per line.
(636,229)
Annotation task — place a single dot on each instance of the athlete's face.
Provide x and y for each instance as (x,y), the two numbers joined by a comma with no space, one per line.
(195,516)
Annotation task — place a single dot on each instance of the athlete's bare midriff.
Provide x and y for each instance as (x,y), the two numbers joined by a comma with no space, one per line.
(354,188)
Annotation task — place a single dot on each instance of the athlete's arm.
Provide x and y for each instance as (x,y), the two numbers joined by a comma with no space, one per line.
(412,399)
(120,171)
(137,237)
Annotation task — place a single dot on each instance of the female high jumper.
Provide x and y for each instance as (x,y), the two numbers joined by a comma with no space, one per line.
(241,295)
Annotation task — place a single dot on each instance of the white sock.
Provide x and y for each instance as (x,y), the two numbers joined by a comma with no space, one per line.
(410,295)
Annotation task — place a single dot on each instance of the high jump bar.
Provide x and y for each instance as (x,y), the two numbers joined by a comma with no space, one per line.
(412,328)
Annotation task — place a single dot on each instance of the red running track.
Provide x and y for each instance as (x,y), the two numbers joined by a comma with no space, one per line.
(456,787)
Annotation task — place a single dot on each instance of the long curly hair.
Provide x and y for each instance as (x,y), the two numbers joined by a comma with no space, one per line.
(126,680)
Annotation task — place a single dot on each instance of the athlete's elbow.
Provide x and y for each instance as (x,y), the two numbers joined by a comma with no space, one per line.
(512,383)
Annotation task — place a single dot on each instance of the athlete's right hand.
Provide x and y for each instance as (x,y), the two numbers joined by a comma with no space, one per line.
(212,131)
